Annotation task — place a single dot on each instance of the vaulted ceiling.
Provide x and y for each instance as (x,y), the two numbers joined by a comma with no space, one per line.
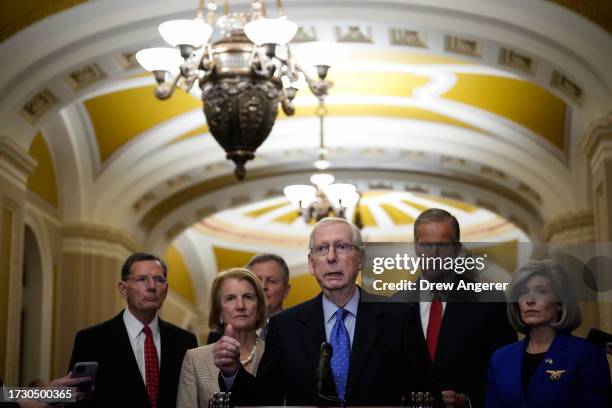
(480,102)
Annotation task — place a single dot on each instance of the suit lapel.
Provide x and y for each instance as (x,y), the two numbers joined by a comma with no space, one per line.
(367,329)
(125,354)
(312,329)
(513,369)
(452,313)
(168,350)
(415,310)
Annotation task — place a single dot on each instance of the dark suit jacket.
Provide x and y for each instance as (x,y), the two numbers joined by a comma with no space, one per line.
(471,331)
(585,382)
(118,381)
(379,362)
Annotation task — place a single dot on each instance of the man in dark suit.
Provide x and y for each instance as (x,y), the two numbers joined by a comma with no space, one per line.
(370,358)
(139,355)
(457,331)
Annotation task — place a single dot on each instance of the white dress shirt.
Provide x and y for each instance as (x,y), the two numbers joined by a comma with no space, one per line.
(329,315)
(137,339)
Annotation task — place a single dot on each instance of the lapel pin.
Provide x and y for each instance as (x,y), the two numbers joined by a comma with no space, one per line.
(555,375)
(549,361)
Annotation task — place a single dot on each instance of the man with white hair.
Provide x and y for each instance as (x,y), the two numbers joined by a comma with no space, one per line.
(371,355)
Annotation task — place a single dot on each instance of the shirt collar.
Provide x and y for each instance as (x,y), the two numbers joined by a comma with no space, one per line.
(329,308)
(134,326)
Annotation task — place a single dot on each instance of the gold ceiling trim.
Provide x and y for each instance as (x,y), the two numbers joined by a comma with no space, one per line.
(14,20)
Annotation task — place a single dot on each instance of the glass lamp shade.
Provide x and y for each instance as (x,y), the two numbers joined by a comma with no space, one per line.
(339,191)
(300,194)
(160,59)
(350,199)
(270,30)
(322,179)
(185,32)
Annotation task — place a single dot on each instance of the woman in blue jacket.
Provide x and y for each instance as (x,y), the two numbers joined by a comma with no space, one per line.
(549,367)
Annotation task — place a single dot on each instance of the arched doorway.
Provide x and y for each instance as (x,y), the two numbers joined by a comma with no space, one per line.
(31,311)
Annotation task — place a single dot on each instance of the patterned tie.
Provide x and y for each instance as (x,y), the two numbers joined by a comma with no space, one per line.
(151,366)
(341,343)
(433,327)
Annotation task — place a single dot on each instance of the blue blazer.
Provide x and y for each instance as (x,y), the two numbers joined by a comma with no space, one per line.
(585,382)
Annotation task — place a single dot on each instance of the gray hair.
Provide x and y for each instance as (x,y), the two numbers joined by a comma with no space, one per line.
(570,316)
(432,215)
(265,257)
(356,239)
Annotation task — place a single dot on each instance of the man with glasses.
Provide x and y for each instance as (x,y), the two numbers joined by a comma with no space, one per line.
(458,331)
(370,360)
(139,355)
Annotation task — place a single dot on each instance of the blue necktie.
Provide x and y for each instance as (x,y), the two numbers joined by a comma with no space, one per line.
(341,343)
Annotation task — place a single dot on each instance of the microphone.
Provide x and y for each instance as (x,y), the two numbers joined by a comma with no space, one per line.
(324,362)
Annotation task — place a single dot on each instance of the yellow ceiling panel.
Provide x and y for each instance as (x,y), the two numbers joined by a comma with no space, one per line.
(450,202)
(520,101)
(288,218)
(192,133)
(397,216)
(179,279)
(384,111)
(261,211)
(367,219)
(418,206)
(231,258)
(120,116)
(375,83)
(17,15)
(303,288)
(42,181)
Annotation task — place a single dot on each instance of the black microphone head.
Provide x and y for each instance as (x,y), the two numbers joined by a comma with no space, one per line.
(326,349)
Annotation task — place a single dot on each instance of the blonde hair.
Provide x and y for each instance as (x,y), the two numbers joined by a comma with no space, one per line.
(214,318)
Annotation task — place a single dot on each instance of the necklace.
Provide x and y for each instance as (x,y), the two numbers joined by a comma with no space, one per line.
(251,355)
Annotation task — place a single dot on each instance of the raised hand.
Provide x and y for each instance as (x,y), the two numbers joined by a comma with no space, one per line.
(226,353)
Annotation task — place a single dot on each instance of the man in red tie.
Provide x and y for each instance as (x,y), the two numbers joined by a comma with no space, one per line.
(459,334)
(139,354)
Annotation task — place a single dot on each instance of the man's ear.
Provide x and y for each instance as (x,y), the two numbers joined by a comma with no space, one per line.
(310,264)
(121,285)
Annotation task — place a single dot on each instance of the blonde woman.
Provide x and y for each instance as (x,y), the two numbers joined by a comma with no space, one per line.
(237,299)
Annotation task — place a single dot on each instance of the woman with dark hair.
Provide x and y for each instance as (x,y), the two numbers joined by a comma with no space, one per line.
(549,367)
(237,299)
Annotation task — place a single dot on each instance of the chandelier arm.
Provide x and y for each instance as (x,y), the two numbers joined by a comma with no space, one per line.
(287,105)
(166,89)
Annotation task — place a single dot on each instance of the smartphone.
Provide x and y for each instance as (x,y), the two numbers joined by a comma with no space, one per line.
(85,369)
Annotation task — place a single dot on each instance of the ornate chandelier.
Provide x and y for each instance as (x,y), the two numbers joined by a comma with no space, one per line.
(327,198)
(243,76)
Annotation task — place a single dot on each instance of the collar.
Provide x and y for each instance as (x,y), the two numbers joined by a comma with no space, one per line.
(329,307)
(134,326)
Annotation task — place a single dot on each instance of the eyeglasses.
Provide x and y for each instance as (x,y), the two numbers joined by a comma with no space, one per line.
(339,248)
(144,280)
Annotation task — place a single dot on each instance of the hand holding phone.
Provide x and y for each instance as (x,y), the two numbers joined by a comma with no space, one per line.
(85,369)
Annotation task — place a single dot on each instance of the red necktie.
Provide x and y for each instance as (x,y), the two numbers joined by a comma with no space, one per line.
(151,366)
(433,327)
